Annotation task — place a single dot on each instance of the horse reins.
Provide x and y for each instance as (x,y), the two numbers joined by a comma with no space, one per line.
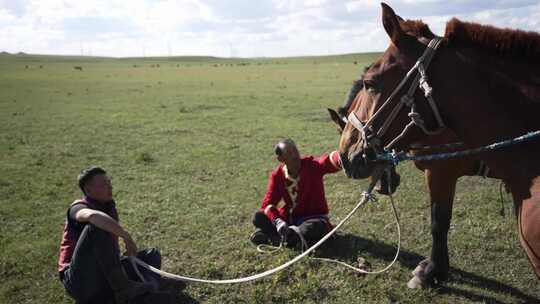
(420,81)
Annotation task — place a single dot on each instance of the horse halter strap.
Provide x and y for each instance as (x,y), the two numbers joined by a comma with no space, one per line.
(420,80)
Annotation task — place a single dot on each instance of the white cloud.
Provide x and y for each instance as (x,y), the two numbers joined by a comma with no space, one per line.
(6,17)
(240,27)
(362,5)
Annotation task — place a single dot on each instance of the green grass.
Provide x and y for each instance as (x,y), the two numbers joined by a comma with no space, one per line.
(189,147)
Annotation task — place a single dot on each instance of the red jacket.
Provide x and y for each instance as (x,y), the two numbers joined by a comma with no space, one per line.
(310,199)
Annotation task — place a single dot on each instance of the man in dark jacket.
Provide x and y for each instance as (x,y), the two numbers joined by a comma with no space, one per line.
(89,264)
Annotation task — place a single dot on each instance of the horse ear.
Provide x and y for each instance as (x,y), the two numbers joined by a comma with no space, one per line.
(337,119)
(391,24)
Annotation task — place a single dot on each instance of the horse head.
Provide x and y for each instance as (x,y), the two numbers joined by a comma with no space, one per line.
(339,116)
(376,121)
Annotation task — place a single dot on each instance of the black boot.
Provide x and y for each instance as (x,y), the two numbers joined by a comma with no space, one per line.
(259,237)
(265,233)
(293,240)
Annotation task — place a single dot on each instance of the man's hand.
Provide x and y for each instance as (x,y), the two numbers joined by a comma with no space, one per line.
(131,247)
(107,223)
(282,228)
(103,221)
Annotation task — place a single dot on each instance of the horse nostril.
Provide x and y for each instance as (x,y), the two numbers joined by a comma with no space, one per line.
(344,159)
(370,154)
(355,156)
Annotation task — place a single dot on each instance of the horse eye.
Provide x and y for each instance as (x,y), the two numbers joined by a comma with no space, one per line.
(370,85)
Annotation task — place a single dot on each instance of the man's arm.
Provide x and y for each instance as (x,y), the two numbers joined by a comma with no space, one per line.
(270,209)
(106,223)
(329,163)
(271,198)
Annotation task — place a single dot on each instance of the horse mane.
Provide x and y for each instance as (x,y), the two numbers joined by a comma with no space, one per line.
(516,44)
(504,46)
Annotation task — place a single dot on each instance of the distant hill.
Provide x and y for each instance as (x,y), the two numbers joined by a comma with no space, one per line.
(345,58)
(25,57)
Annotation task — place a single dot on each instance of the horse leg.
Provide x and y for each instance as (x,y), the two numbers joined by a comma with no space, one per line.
(442,187)
(528,214)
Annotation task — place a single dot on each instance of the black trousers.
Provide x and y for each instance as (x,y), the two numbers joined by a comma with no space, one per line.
(312,230)
(95,255)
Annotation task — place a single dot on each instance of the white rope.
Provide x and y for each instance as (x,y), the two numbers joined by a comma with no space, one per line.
(366,196)
(385,268)
(264,248)
(131,260)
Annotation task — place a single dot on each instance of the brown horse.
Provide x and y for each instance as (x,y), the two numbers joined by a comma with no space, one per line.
(483,86)
(441,178)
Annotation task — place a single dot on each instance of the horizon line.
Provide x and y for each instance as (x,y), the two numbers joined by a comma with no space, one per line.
(21,54)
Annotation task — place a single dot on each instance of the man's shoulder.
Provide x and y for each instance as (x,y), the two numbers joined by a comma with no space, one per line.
(308,158)
(311,160)
(74,208)
(277,176)
(278,170)
(80,201)
(319,162)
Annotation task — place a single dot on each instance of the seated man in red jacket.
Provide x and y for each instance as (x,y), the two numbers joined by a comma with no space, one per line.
(295,196)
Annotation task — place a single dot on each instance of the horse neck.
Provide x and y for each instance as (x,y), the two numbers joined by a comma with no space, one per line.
(522,75)
(483,103)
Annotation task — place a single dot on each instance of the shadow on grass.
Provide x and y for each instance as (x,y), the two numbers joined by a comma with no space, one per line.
(465,277)
(176,288)
(346,247)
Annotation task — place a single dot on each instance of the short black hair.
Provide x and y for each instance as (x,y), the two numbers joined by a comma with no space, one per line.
(87,175)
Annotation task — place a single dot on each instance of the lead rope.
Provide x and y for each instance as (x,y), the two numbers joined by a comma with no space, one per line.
(397,157)
(398,243)
(132,261)
(265,248)
(366,196)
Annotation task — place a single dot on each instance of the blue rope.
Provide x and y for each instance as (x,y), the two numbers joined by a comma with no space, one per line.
(397,157)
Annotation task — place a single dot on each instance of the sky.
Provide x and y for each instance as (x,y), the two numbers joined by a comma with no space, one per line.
(232,28)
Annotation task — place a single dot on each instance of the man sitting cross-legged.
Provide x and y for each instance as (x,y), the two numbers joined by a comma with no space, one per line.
(295,197)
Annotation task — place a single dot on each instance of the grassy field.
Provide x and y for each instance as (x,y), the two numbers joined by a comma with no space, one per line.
(188,142)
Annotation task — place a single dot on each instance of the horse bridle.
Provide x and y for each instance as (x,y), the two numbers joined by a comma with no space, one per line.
(371,138)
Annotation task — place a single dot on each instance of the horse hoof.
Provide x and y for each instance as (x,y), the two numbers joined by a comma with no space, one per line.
(419,276)
(420,268)
(415,283)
